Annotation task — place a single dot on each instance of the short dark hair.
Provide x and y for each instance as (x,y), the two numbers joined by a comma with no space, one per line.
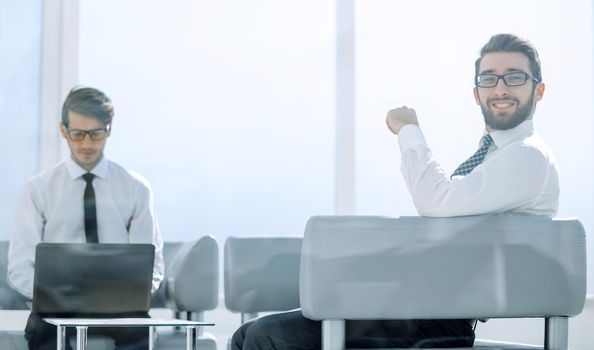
(511,43)
(88,102)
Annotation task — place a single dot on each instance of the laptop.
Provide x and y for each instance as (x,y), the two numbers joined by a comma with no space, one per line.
(93,278)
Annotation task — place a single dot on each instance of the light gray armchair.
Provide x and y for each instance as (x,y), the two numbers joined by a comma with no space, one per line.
(261,274)
(441,268)
(190,287)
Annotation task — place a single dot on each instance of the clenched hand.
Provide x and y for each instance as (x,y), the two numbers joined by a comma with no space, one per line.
(399,117)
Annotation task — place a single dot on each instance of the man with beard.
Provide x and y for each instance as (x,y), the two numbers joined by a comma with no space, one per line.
(512,172)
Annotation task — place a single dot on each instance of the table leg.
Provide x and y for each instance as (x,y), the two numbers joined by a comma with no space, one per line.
(60,337)
(81,337)
(190,337)
(151,337)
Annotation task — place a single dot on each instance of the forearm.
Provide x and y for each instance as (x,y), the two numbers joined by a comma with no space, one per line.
(144,228)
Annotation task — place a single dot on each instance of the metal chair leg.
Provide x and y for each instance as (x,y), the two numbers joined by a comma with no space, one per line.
(333,333)
(556,333)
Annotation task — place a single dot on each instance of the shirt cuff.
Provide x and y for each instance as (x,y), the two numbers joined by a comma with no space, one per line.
(410,136)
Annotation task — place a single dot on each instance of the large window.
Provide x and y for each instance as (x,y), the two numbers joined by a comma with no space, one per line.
(20,64)
(226,107)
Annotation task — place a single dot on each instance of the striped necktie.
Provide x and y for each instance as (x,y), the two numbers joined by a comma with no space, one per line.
(475,159)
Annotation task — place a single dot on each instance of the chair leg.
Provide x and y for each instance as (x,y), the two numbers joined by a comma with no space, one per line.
(198,317)
(333,333)
(556,333)
(180,315)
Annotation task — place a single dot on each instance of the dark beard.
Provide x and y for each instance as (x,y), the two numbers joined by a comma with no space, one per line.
(523,112)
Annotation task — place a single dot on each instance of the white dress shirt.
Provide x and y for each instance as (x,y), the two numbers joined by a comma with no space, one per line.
(518,176)
(51,210)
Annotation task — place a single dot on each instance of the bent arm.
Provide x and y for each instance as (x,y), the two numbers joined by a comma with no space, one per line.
(507,181)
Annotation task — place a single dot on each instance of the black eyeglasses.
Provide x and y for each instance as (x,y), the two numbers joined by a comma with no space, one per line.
(510,79)
(94,134)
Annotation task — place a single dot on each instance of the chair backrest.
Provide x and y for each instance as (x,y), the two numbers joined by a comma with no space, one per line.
(430,268)
(261,274)
(191,282)
(9,298)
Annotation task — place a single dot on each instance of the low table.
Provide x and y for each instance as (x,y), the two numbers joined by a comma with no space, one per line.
(82,324)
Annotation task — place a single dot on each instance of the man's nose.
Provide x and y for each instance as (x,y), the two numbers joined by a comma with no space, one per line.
(501,89)
(86,139)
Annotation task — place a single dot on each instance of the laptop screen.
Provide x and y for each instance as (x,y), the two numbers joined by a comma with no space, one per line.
(92,278)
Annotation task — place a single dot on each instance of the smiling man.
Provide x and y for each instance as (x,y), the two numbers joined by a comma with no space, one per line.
(85,198)
(513,171)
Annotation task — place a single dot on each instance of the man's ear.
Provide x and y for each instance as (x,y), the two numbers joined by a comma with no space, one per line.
(63,130)
(539,91)
(477,99)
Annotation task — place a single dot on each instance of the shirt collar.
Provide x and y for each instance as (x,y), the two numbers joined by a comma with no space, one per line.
(76,171)
(503,137)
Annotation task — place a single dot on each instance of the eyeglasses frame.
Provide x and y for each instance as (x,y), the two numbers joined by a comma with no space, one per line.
(527,76)
(107,129)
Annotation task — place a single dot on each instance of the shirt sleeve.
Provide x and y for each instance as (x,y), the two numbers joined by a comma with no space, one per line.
(26,233)
(508,179)
(144,228)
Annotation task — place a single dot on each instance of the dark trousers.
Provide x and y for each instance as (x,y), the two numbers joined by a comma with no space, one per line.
(41,335)
(292,331)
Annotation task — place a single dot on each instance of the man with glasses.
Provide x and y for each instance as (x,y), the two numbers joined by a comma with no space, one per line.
(56,207)
(512,172)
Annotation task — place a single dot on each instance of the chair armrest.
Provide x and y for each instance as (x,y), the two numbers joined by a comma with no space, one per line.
(440,268)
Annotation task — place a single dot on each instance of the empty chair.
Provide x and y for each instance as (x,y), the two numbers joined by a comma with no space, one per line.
(190,287)
(443,268)
(261,274)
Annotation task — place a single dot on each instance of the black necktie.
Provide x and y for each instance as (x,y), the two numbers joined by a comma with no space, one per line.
(90,210)
(475,159)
